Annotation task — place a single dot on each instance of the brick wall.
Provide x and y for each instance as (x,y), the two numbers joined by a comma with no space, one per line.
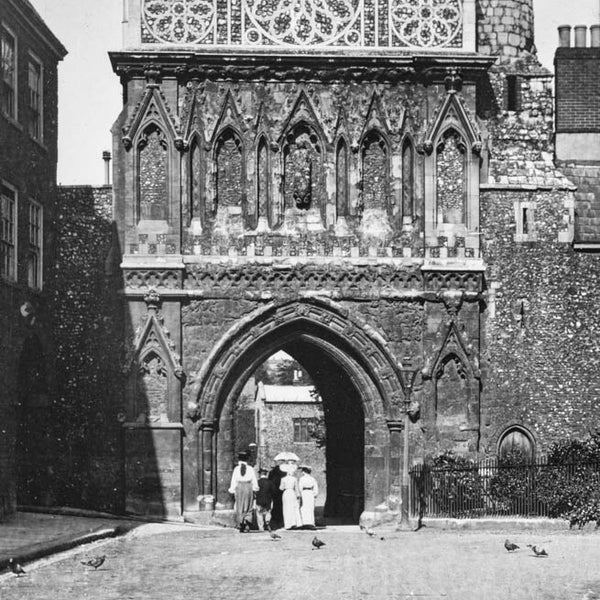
(577,90)
(28,166)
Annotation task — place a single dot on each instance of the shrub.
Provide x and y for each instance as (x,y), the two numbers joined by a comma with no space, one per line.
(512,489)
(570,485)
(457,487)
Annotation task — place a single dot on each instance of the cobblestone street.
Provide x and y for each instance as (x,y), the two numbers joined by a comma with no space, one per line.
(168,561)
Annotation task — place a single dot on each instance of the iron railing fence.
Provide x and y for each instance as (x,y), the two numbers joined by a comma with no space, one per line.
(492,488)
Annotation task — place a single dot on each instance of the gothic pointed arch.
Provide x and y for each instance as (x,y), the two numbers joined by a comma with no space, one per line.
(375,158)
(229,119)
(360,350)
(194,201)
(263,216)
(302,111)
(153,167)
(342,177)
(152,108)
(229,208)
(454,375)
(193,123)
(409,176)
(376,119)
(452,144)
(154,370)
(303,175)
(453,343)
(453,114)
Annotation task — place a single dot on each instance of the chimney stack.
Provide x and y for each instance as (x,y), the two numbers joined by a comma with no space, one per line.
(580,36)
(595,36)
(564,36)
(106,157)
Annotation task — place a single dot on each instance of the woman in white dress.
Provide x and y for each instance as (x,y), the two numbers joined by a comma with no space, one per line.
(243,485)
(308,492)
(291,507)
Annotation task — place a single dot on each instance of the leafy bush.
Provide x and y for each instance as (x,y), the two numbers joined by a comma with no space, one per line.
(512,489)
(457,487)
(570,485)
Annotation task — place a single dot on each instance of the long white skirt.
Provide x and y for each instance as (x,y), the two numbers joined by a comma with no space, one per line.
(307,510)
(291,514)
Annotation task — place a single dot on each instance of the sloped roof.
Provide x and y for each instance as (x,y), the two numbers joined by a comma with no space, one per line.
(286,394)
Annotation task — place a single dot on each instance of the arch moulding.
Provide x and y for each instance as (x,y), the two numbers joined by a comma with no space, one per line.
(351,342)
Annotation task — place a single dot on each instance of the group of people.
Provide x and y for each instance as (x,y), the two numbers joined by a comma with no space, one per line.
(285,495)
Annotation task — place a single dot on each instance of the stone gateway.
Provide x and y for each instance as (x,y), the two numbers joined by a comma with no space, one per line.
(367,186)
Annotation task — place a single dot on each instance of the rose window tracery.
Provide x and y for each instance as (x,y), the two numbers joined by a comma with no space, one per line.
(306,23)
(426,23)
(179,21)
(300,22)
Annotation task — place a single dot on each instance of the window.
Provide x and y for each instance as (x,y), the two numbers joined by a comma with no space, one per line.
(513,93)
(35,102)
(34,256)
(303,428)
(526,230)
(8,65)
(8,233)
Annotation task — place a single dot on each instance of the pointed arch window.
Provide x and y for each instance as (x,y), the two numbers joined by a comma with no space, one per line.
(262,181)
(375,171)
(195,180)
(152,175)
(341,179)
(229,169)
(408,179)
(451,178)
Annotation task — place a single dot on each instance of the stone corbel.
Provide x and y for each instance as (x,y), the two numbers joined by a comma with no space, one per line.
(453,81)
(152,74)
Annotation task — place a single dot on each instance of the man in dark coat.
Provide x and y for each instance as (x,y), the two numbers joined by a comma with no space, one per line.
(264,500)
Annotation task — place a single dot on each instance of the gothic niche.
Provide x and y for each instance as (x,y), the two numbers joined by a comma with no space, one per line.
(451,171)
(152,175)
(375,172)
(195,180)
(152,388)
(262,184)
(408,180)
(341,179)
(302,166)
(227,207)
(452,395)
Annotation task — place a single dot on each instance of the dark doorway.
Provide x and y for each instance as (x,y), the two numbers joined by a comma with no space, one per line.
(312,408)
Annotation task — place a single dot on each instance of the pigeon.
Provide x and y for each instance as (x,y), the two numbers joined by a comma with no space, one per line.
(275,537)
(369,532)
(510,546)
(95,562)
(15,567)
(540,552)
(317,543)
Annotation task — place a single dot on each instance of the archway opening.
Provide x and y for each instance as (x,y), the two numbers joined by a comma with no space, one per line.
(301,400)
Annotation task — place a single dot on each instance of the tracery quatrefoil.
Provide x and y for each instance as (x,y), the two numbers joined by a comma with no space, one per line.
(426,23)
(301,22)
(179,21)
